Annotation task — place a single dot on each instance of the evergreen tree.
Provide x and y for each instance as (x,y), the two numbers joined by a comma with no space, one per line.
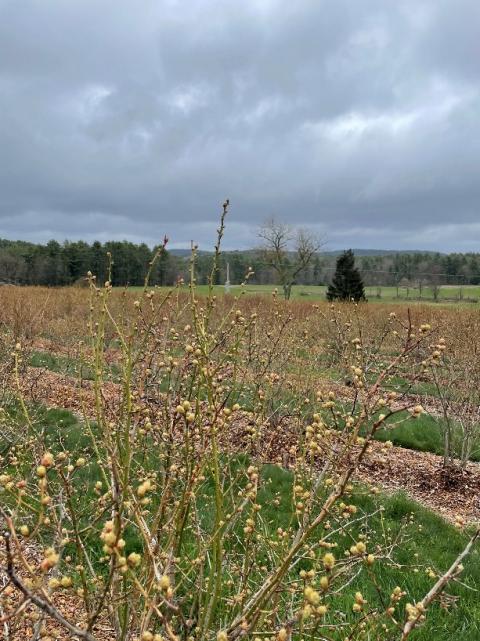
(98,261)
(347,283)
(159,275)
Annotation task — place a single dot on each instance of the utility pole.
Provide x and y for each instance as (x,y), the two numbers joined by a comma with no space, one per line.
(227,282)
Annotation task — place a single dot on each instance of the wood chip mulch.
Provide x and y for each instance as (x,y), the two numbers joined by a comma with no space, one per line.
(451,492)
(65,392)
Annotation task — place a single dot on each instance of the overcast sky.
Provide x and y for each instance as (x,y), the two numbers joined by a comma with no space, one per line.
(135,118)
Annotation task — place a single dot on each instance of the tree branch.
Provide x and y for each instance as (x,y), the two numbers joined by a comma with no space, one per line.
(44,606)
(439,585)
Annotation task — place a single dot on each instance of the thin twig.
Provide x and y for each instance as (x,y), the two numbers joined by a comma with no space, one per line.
(44,606)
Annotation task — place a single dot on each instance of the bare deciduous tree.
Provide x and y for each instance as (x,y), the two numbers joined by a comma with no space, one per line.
(287,250)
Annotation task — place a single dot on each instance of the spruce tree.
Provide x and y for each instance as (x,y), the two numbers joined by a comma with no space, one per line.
(347,283)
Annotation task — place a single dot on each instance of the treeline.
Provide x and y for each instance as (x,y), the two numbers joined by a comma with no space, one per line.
(58,264)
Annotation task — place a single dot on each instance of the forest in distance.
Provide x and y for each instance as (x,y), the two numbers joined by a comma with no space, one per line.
(67,263)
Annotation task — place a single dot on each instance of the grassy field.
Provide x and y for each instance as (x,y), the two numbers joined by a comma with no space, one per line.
(468,295)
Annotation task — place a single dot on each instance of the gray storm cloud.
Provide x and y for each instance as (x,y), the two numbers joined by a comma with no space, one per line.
(124,119)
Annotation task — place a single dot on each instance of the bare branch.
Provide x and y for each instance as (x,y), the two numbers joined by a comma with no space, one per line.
(44,606)
(439,586)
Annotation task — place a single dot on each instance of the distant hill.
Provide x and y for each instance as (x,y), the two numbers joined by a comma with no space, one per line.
(379,252)
(183,253)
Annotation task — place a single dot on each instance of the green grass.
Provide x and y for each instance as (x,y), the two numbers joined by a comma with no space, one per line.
(437,545)
(69,366)
(60,364)
(435,542)
(424,434)
(448,295)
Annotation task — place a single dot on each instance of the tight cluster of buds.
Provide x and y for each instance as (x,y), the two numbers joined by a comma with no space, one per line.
(417,411)
(50,560)
(313,605)
(112,542)
(328,561)
(415,612)
(358,549)
(143,488)
(359,602)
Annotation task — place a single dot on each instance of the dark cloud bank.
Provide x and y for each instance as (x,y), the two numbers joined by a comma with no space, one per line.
(129,119)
